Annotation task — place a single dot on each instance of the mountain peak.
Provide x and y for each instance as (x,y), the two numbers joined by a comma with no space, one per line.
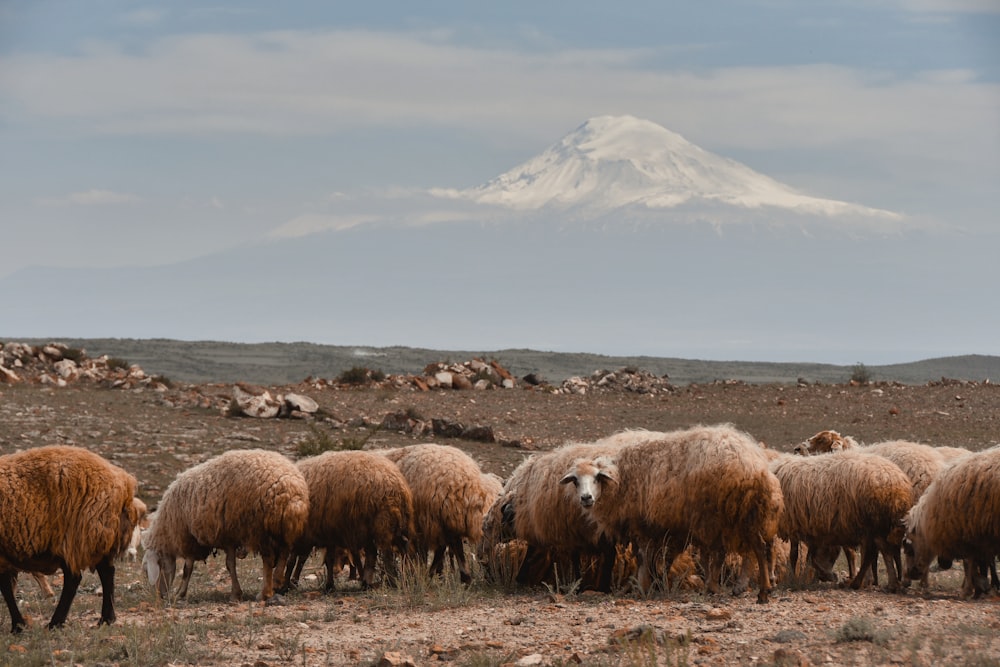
(615,162)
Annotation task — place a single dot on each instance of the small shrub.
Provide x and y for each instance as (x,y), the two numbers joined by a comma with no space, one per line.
(860,374)
(359,375)
(74,354)
(114,363)
(861,629)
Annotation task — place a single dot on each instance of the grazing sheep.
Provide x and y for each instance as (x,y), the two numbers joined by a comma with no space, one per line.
(64,508)
(358,501)
(242,501)
(921,463)
(451,494)
(957,518)
(708,485)
(844,499)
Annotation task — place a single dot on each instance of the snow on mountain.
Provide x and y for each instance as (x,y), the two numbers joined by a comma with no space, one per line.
(612,162)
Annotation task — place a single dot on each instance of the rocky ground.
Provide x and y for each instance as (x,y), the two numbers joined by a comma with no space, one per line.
(156,430)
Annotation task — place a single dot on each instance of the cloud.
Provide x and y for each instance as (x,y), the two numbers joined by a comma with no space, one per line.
(326,82)
(93,198)
(313,223)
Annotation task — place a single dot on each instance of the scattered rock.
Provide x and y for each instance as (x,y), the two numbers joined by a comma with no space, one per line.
(785,657)
(789,636)
(718,614)
(395,659)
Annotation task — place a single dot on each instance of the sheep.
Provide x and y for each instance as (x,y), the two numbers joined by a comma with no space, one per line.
(451,494)
(920,462)
(825,442)
(533,509)
(358,501)
(242,501)
(844,499)
(956,518)
(709,485)
(64,508)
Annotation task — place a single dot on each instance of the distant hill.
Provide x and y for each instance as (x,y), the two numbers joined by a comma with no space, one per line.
(286,363)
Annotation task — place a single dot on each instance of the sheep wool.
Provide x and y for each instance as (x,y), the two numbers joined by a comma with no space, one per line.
(451,495)
(242,501)
(64,508)
(358,501)
(709,485)
(957,518)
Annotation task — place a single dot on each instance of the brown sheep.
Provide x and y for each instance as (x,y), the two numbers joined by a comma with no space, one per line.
(242,501)
(358,501)
(534,509)
(709,485)
(450,498)
(957,518)
(64,508)
(844,499)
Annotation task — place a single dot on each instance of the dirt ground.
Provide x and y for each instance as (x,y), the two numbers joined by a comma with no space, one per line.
(155,435)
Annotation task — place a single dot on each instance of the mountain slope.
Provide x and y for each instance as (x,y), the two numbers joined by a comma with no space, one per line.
(612,162)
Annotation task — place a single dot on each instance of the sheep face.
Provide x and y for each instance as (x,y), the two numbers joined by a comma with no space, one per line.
(823,443)
(160,571)
(588,477)
(917,555)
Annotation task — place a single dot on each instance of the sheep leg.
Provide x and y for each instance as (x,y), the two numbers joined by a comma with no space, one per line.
(793,556)
(368,570)
(186,570)
(868,554)
(71,582)
(106,573)
(237,593)
(17,622)
(765,562)
(437,564)
(457,550)
(43,584)
(607,565)
(890,556)
(269,563)
(850,554)
(330,562)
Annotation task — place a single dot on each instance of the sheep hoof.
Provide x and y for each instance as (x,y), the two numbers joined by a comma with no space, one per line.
(763,597)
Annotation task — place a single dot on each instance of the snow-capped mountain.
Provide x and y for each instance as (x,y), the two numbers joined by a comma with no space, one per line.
(615,162)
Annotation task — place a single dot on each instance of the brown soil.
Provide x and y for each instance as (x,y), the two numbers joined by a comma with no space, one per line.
(155,435)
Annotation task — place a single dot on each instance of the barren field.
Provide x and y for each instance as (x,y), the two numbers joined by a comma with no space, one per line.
(156,434)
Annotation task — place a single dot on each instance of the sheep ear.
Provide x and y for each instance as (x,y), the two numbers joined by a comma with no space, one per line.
(570,477)
(607,475)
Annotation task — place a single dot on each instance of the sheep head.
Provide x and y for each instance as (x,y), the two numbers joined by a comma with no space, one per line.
(589,476)
(160,571)
(917,553)
(825,442)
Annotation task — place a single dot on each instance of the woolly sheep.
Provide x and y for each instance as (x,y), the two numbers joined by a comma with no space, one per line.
(242,501)
(64,508)
(533,508)
(957,518)
(709,485)
(451,494)
(358,501)
(843,500)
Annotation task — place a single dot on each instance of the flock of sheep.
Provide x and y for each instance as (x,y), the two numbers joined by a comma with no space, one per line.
(633,505)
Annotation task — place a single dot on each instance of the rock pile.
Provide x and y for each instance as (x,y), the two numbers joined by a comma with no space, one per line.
(625,379)
(59,365)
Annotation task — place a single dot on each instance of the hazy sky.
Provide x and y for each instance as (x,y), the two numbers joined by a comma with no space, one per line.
(137,134)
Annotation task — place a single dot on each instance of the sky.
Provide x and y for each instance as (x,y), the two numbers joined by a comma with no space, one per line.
(143,134)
